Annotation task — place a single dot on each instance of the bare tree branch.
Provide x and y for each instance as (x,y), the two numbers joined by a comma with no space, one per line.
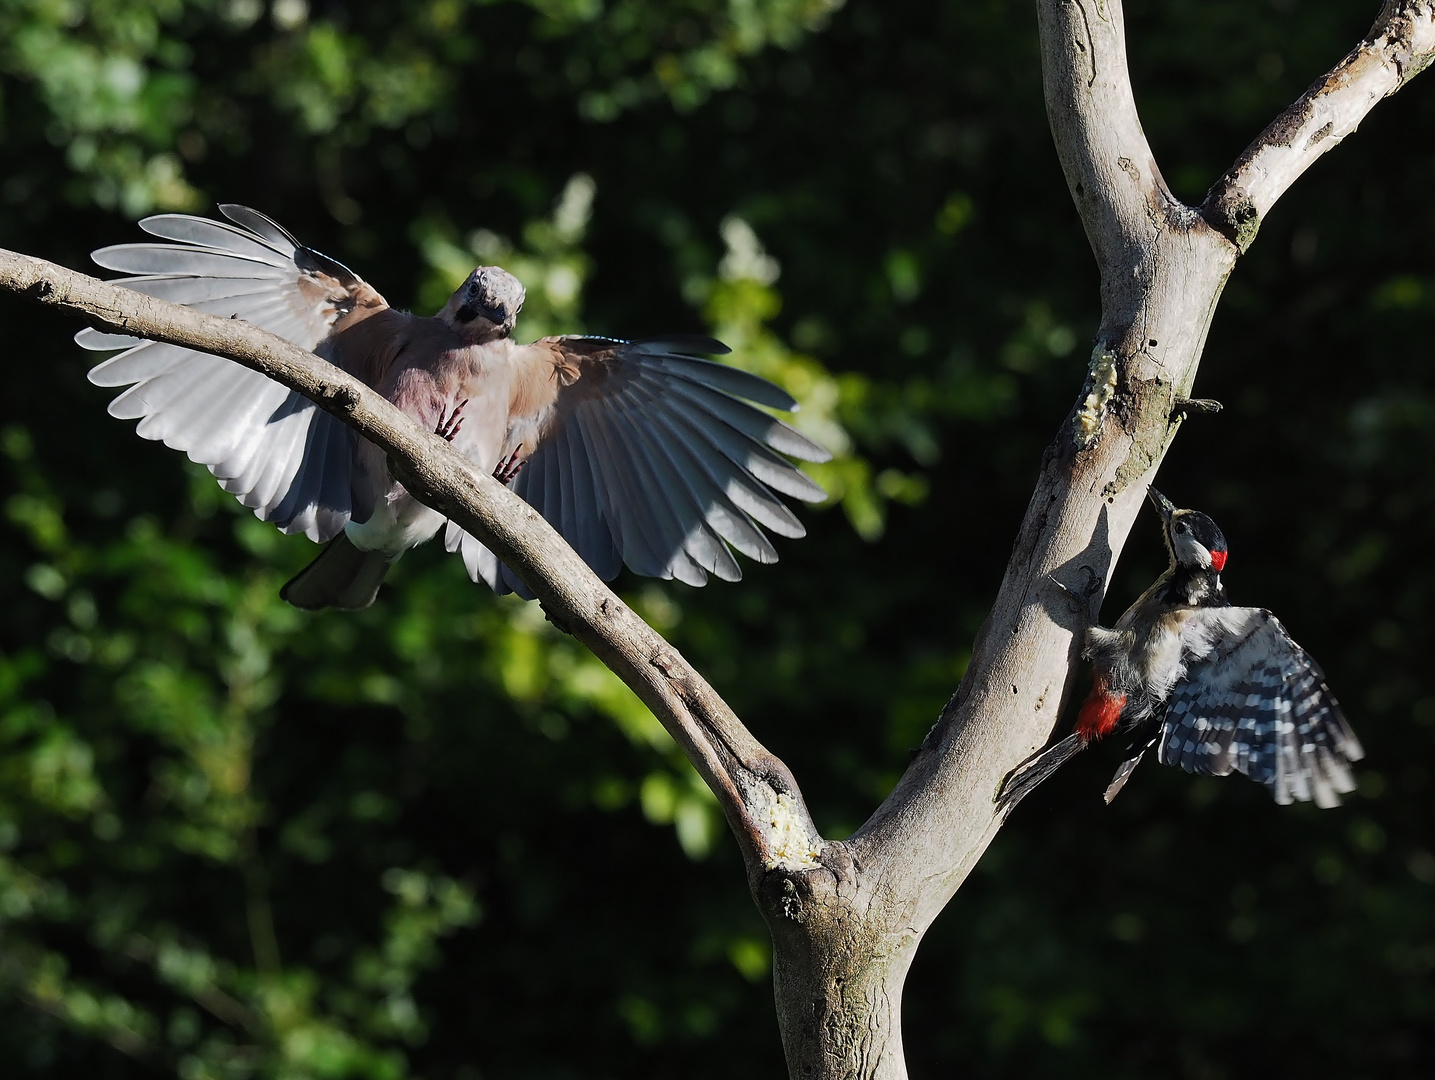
(1399,46)
(1110,170)
(755,789)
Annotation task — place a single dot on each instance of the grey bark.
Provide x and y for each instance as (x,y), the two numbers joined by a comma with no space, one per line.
(846,917)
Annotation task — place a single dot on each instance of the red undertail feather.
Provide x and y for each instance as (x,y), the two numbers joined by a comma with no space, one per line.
(1218,561)
(1100,711)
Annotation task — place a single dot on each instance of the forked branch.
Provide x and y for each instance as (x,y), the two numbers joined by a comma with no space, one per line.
(1163,266)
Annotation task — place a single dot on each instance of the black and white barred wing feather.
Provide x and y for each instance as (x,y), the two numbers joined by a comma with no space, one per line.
(282,456)
(1253,701)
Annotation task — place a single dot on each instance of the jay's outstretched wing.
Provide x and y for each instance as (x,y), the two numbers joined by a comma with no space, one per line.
(285,458)
(653,457)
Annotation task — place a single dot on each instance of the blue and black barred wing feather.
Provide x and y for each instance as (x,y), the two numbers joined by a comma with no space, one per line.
(1253,701)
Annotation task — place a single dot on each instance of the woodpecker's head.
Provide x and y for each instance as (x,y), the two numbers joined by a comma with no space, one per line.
(1195,541)
(486,305)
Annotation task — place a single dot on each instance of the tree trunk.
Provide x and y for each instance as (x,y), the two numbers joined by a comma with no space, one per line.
(839,964)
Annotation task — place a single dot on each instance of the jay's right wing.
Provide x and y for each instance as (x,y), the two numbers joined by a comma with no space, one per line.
(282,456)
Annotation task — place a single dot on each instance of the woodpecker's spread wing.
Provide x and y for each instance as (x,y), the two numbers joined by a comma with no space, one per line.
(280,454)
(653,457)
(1253,701)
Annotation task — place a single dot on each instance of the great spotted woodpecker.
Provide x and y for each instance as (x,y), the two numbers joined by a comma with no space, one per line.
(1214,688)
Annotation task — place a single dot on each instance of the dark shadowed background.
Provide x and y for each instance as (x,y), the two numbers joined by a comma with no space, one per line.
(437,839)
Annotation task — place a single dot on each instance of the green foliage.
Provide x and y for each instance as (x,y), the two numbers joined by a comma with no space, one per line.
(629,51)
(116,90)
(437,838)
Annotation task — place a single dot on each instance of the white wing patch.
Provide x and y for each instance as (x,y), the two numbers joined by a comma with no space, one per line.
(1253,701)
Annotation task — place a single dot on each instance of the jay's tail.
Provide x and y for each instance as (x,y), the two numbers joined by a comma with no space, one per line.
(341,577)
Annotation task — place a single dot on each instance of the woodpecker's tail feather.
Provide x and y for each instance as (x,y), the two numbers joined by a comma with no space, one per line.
(1127,767)
(341,577)
(1023,780)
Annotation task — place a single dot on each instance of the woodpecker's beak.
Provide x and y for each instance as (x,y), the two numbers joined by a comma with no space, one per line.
(1163,505)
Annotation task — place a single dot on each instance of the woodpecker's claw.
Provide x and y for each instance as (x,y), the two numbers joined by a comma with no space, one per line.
(1186,406)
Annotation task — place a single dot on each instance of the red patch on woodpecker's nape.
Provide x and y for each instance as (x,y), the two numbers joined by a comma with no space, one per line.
(1101,710)
(1218,561)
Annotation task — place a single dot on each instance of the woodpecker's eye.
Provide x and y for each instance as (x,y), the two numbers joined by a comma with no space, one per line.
(1179,527)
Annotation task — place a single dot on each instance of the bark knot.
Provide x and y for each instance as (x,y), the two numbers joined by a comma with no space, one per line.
(341,397)
(667,663)
(1320,133)
(1232,214)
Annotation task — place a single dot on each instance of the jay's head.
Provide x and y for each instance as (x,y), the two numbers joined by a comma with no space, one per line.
(1195,541)
(486,305)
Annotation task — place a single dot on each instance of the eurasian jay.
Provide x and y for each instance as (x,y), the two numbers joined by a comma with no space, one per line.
(637,452)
